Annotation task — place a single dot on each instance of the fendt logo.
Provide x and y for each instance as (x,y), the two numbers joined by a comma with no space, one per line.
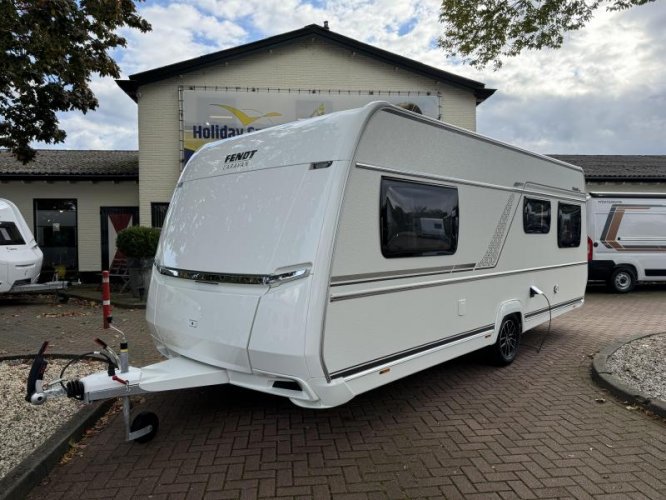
(245,155)
(238,160)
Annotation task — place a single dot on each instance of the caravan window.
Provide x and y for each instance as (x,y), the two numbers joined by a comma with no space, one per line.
(418,219)
(9,234)
(568,225)
(536,216)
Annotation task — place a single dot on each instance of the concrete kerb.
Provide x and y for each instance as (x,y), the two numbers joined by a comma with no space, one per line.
(116,301)
(29,473)
(603,376)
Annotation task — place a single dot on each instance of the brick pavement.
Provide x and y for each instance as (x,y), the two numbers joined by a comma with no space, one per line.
(462,429)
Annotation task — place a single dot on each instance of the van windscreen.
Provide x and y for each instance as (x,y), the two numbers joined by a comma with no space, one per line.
(9,234)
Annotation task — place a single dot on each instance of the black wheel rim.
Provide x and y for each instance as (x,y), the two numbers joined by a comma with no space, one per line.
(508,339)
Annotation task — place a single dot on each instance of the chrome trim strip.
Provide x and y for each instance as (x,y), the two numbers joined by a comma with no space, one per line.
(236,279)
(454,180)
(354,279)
(375,363)
(430,284)
(556,306)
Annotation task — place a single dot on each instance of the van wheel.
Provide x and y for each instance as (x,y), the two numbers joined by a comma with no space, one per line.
(622,280)
(505,349)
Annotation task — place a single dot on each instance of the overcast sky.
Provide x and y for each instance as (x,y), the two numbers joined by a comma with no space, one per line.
(603,92)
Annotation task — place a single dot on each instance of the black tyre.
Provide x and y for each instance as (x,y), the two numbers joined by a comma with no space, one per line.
(622,280)
(144,419)
(505,349)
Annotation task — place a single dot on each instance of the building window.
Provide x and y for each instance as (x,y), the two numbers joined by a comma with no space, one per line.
(536,216)
(418,219)
(568,225)
(158,213)
(56,234)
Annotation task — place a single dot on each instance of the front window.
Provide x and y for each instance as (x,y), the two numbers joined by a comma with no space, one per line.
(418,219)
(9,234)
(568,225)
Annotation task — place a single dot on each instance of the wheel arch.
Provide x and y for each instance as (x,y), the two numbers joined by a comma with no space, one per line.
(511,307)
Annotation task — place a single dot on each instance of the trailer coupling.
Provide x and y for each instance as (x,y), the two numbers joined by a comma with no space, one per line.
(121,380)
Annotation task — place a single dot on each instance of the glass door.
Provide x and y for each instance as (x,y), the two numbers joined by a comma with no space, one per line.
(56,234)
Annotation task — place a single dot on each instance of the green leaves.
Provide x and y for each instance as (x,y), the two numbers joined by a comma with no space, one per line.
(49,50)
(138,241)
(484,32)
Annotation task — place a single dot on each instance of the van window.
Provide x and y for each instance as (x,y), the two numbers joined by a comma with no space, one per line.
(9,234)
(568,225)
(418,219)
(536,216)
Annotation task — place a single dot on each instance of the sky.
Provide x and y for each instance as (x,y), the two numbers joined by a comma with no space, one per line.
(603,92)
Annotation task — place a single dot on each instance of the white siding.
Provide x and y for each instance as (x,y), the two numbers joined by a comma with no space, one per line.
(89,196)
(306,65)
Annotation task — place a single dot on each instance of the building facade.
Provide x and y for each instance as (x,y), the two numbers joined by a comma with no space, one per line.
(77,201)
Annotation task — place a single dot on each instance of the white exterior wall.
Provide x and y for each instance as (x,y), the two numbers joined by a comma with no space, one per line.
(305,65)
(89,198)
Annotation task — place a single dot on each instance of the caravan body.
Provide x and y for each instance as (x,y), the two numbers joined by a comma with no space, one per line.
(320,259)
(20,257)
(626,238)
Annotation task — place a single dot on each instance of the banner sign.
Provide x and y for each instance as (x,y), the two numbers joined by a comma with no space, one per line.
(210,115)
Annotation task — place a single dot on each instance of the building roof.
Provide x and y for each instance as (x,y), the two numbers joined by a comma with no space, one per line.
(617,168)
(131,85)
(67,164)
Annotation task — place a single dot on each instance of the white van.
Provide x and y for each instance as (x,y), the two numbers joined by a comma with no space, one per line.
(320,259)
(20,257)
(626,238)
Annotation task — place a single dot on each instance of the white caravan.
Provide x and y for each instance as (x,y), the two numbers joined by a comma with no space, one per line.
(626,238)
(20,257)
(320,259)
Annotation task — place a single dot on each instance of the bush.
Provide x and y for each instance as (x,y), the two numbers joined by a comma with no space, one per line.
(138,242)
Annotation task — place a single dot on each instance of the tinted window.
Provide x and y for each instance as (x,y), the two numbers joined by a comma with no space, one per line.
(158,213)
(536,216)
(418,219)
(568,225)
(9,234)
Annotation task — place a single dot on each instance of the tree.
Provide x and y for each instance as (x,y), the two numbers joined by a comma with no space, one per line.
(484,31)
(48,51)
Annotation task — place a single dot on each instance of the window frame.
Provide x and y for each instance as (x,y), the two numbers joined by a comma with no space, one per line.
(560,243)
(387,253)
(550,218)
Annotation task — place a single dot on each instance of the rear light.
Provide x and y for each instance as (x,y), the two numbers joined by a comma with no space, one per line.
(589,249)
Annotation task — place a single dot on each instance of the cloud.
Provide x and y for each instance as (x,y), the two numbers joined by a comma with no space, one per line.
(601,93)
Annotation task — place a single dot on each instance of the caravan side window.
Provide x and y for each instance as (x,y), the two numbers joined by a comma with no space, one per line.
(418,219)
(9,234)
(568,225)
(536,216)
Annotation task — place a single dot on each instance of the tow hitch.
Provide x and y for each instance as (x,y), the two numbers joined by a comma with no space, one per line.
(119,380)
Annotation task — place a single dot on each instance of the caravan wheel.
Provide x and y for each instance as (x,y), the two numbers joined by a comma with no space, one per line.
(505,349)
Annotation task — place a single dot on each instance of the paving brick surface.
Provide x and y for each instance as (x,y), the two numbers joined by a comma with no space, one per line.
(463,429)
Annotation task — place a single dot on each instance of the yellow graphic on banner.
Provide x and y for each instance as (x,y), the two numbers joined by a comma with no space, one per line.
(319,111)
(244,118)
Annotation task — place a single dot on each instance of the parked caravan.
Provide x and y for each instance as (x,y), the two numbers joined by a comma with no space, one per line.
(320,259)
(20,257)
(626,238)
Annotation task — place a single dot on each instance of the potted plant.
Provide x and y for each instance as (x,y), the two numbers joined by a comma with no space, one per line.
(139,244)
